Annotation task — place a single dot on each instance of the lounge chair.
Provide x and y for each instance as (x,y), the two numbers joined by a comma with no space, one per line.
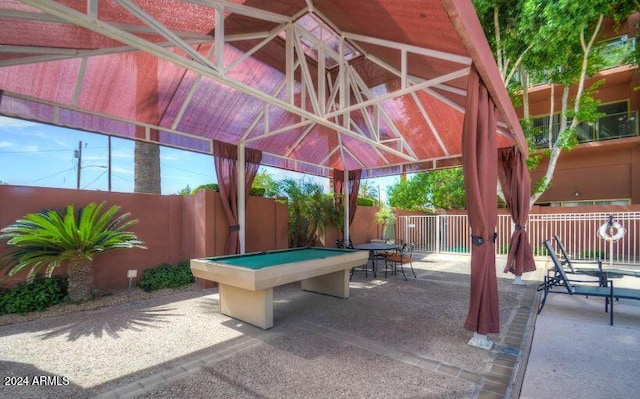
(592,271)
(603,287)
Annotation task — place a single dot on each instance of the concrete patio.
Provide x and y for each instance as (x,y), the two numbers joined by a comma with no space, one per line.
(391,339)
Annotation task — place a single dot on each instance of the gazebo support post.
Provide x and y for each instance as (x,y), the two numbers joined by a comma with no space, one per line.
(241,198)
(345,204)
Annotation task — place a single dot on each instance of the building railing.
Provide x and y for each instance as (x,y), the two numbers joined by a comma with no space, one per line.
(578,231)
(608,127)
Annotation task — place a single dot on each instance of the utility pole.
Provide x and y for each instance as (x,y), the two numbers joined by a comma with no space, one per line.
(78,154)
(109,163)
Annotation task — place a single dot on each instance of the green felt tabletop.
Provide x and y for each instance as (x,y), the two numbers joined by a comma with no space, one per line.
(259,260)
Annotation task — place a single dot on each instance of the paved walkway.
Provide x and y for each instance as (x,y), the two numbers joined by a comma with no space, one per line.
(576,353)
(391,339)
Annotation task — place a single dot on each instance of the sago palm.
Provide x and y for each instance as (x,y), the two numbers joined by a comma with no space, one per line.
(47,239)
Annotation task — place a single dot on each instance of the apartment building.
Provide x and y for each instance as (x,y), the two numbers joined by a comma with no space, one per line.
(604,168)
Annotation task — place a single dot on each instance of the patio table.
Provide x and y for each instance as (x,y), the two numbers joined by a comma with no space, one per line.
(372,247)
(245,282)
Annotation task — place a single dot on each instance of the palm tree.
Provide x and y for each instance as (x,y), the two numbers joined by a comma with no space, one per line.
(47,239)
(310,211)
(385,216)
(368,190)
(146,168)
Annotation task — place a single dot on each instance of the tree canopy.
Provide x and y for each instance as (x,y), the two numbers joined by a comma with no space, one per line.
(264,180)
(551,42)
(443,189)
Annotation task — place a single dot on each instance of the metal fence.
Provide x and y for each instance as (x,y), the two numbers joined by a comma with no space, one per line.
(578,231)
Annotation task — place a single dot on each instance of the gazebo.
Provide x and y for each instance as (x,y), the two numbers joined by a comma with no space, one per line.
(353,89)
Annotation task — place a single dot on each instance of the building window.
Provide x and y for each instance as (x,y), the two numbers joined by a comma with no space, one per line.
(567,204)
(617,122)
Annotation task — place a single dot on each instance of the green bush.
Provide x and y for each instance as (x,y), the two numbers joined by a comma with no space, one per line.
(257,191)
(167,276)
(363,201)
(38,295)
(210,186)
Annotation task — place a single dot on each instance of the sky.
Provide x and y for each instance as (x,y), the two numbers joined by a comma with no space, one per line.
(33,154)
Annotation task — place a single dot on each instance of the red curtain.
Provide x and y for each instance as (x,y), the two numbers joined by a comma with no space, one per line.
(225,157)
(516,187)
(479,160)
(354,188)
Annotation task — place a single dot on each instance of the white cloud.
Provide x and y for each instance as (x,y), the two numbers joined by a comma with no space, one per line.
(169,158)
(117,169)
(30,148)
(121,154)
(6,144)
(15,123)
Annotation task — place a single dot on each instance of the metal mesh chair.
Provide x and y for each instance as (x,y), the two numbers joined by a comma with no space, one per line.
(401,258)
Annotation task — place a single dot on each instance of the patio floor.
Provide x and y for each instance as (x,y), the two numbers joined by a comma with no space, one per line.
(391,339)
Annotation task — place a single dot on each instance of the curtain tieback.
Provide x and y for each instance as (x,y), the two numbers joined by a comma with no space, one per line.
(518,227)
(235,227)
(478,240)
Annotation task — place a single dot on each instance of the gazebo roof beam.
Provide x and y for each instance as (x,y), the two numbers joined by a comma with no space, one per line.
(78,53)
(44,17)
(190,94)
(427,118)
(298,140)
(242,9)
(272,35)
(415,79)
(208,71)
(147,19)
(398,93)
(409,48)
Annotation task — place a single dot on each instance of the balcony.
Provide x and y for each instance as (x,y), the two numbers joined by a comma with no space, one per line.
(609,127)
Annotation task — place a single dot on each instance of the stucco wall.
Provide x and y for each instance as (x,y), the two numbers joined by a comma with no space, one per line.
(595,171)
(173,227)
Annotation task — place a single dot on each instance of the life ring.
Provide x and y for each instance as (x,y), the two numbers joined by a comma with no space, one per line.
(619,231)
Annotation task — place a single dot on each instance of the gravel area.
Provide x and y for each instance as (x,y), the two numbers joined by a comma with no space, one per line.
(117,297)
(391,338)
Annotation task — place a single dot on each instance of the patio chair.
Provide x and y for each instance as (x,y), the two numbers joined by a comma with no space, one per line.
(349,245)
(401,257)
(592,271)
(575,287)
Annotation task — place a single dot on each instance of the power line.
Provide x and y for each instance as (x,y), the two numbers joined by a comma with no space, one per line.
(94,180)
(123,178)
(55,174)
(189,171)
(39,151)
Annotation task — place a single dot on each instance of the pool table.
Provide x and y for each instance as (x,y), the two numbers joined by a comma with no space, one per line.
(245,282)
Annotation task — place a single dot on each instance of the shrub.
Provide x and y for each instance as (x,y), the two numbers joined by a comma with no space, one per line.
(257,191)
(167,276)
(37,295)
(210,186)
(363,201)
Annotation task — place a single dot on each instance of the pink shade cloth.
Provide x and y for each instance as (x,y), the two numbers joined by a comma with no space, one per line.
(354,188)
(479,159)
(101,82)
(225,158)
(516,186)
